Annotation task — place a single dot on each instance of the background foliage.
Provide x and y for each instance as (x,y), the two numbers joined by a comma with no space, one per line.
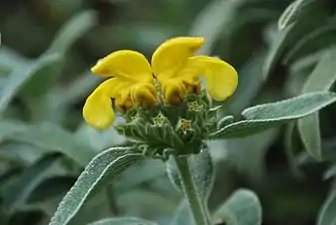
(281,48)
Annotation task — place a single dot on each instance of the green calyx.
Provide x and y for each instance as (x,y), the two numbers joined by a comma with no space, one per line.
(166,130)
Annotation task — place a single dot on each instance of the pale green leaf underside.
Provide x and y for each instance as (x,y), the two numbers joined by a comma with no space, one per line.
(262,117)
(51,137)
(330,173)
(103,168)
(72,30)
(289,36)
(182,215)
(327,215)
(212,21)
(123,221)
(292,12)
(15,195)
(321,79)
(20,75)
(242,208)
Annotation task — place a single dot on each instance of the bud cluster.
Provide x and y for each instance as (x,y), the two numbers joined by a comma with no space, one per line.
(165,130)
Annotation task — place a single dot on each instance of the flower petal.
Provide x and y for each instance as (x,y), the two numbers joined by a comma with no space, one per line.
(172,55)
(124,64)
(144,95)
(98,111)
(220,77)
(173,91)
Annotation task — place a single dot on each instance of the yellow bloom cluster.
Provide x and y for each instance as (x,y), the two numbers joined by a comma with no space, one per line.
(175,67)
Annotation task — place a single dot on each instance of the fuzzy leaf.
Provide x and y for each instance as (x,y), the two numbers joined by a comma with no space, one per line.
(285,38)
(242,208)
(15,194)
(54,138)
(123,221)
(182,215)
(102,169)
(327,214)
(293,12)
(262,117)
(21,75)
(321,79)
(75,28)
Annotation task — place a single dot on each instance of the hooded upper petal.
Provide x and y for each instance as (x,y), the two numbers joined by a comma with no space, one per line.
(220,77)
(172,55)
(125,64)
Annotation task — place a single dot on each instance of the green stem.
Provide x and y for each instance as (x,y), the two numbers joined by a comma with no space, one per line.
(196,205)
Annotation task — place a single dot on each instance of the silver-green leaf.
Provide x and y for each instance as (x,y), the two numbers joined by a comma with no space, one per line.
(182,215)
(330,173)
(265,116)
(21,75)
(123,221)
(327,214)
(242,208)
(15,194)
(293,12)
(52,137)
(321,79)
(285,38)
(72,30)
(217,17)
(102,169)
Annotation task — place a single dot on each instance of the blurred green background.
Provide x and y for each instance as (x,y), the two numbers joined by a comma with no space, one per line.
(47,48)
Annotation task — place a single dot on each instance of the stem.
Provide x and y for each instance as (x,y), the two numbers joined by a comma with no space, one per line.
(196,205)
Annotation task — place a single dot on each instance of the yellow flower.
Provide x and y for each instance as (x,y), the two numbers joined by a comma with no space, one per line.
(130,84)
(178,70)
(174,65)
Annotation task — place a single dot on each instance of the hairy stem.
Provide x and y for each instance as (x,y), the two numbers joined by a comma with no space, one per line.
(197,207)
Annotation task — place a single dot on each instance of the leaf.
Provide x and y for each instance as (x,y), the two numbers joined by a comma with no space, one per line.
(216,17)
(330,173)
(293,12)
(144,172)
(202,169)
(75,91)
(16,194)
(321,79)
(265,116)
(45,77)
(242,208)
(102,169)
(11,59)
(327,214)
(224,121)
(75,28)
(309,129)
(54,138)
(123,221)
(9,127)
(182,215)
(139,201)
(322,37)
(285,38)
(289,150)
(42,80)
(20,76)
